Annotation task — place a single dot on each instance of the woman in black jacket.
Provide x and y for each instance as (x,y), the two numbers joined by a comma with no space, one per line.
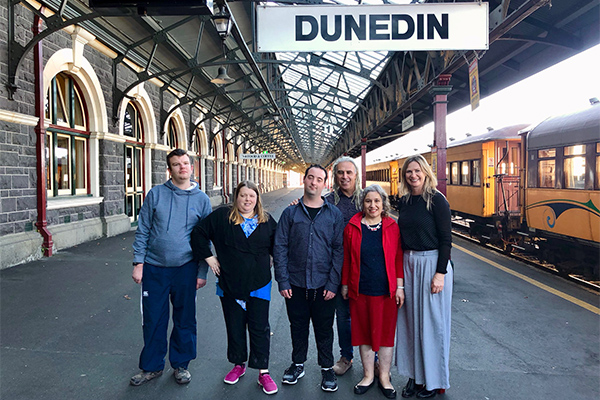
(243,239)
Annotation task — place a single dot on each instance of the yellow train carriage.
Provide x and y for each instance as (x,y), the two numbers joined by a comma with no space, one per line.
(483,174)
(562,194)
(379,173)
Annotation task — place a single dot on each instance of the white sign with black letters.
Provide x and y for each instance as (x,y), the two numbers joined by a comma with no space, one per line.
(391,27)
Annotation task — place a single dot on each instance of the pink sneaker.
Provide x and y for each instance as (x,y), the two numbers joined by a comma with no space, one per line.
(235,374)
(267,383)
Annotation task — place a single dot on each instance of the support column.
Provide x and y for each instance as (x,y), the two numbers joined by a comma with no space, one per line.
(440,92)
(40,133)
(363,162)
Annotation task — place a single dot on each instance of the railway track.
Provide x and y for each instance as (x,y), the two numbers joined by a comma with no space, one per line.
(458,230)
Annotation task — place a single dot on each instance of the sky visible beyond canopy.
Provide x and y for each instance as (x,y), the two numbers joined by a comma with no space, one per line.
(563,88)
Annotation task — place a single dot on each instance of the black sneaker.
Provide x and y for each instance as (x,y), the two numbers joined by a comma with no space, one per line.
(329,381)
(292,374)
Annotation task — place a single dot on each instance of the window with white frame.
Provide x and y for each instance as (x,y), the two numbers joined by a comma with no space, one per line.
(67,139)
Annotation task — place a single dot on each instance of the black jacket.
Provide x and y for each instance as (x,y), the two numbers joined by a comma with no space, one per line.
(245,262)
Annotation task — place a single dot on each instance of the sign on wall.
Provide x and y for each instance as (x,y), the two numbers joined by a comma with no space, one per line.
(261,156)
(391,27)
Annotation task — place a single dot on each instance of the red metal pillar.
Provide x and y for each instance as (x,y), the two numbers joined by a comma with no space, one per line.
(363,162)
(440,110)
(40,133)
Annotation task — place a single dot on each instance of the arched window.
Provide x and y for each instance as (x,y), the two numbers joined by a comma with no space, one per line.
(67,139)
(172,135)
(132,123)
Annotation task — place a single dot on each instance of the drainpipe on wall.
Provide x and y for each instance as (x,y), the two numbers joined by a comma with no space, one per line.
(40,133)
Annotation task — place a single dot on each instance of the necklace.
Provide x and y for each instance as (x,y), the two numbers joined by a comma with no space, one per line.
(373,228)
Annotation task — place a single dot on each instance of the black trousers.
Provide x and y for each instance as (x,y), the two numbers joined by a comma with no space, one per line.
(304,306)
(256,320)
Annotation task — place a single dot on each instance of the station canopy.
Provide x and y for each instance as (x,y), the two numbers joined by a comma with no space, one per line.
(306,107)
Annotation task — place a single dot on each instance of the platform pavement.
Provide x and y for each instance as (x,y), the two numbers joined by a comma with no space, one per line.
(70,328)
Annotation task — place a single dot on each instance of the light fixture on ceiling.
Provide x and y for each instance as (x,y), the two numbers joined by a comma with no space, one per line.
(222,78)
(222,20)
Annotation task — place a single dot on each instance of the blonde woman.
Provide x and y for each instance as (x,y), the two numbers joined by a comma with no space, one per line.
(423,327)
(243,238)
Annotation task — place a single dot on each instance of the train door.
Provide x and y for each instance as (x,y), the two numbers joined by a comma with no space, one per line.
(507,176)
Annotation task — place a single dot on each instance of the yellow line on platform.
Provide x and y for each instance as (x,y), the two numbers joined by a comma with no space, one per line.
(547,288)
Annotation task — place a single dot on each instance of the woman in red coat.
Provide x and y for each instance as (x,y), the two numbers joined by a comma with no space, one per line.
(373,277)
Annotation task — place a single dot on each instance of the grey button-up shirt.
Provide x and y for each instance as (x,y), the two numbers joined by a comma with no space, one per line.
(309,253)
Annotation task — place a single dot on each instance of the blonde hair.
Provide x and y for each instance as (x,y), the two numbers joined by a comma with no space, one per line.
(234,214)
(356,199)
(385,203)
(429,185)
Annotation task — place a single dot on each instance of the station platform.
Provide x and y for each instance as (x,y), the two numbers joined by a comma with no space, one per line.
(70,328)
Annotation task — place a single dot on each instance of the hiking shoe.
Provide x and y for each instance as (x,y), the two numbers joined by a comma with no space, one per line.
(342,366)
(292,374)
(143,377)
(235,374)
(329,381)
(182,375)
(267,383)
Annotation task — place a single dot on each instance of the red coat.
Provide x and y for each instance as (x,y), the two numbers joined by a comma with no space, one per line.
(392,251)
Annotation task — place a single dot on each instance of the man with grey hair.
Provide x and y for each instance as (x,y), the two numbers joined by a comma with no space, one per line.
(346,196)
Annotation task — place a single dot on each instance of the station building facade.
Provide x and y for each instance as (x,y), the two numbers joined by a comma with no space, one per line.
(97,164)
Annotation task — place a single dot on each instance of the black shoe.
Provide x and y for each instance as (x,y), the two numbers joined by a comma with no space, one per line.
(389,393)
(292,374)
(426,394)
(410,389)
(359,389)
(329,381)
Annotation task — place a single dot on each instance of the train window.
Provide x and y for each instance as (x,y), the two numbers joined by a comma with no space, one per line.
(574,167)
(546,171)
(476,171)
(597,165)
(455,180)
(448,176)
(465,175)
(546,168)
(575,150)
(504,160)
(514,161)
(546,153)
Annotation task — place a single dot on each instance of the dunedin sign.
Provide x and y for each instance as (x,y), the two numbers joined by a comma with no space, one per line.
(438,26)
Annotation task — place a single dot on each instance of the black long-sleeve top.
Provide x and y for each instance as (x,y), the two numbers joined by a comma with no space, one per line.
(423,230)
(245,261)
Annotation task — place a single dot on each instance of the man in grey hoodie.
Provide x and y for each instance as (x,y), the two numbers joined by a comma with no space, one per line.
(163,264)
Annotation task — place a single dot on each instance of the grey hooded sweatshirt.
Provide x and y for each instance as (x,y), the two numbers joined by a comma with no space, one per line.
(165,223)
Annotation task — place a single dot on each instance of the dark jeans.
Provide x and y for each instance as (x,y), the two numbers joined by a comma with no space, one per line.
(256,320)
(342,315)
(304,306)
(159,285)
